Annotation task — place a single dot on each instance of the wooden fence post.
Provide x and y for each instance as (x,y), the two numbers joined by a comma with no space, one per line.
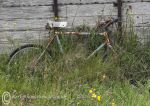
(119,6)
(56,18)
(55,9)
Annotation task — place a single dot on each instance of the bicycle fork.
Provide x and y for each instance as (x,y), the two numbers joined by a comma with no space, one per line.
(59,44)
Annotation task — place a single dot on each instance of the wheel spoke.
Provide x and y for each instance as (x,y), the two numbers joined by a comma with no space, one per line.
(28,62)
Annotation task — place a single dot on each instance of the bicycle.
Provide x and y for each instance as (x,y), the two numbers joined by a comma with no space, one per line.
(32,58)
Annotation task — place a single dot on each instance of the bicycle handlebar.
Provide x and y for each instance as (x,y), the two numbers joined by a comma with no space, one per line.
(107,24)
(110,22)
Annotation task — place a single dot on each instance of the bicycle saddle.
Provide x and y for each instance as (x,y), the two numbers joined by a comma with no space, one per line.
(54,24)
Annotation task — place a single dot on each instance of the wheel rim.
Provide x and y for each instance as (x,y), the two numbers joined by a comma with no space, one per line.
(21,65)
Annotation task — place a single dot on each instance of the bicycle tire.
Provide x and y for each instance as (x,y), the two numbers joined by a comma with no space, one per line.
(10,72)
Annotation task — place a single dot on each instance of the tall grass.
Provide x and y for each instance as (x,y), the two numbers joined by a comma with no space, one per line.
(72,77)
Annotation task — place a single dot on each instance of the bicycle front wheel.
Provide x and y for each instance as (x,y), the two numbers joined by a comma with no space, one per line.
(29,61)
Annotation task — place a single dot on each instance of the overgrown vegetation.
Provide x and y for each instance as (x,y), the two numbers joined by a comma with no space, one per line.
(72,78)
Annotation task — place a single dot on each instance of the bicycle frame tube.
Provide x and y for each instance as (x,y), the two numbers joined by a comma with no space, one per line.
(49,42)
(106,42)
(96,50)
(46,48)
(105,34)
(59,44)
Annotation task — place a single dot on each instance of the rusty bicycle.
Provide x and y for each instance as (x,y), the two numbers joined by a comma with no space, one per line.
(30,59)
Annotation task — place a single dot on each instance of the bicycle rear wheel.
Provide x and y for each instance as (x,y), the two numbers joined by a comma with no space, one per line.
(29,61)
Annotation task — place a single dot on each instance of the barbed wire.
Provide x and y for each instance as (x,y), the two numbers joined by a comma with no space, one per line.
(23,29)
(60,4)
(64,4)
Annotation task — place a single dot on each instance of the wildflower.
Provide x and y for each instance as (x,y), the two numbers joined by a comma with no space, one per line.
(93,95)
(99,98)
(90,91)
(104,76)
(113,103)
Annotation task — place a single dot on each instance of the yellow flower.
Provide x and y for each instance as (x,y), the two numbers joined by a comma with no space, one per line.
(99,98)
(90,91)
(93,95)
(113,103)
